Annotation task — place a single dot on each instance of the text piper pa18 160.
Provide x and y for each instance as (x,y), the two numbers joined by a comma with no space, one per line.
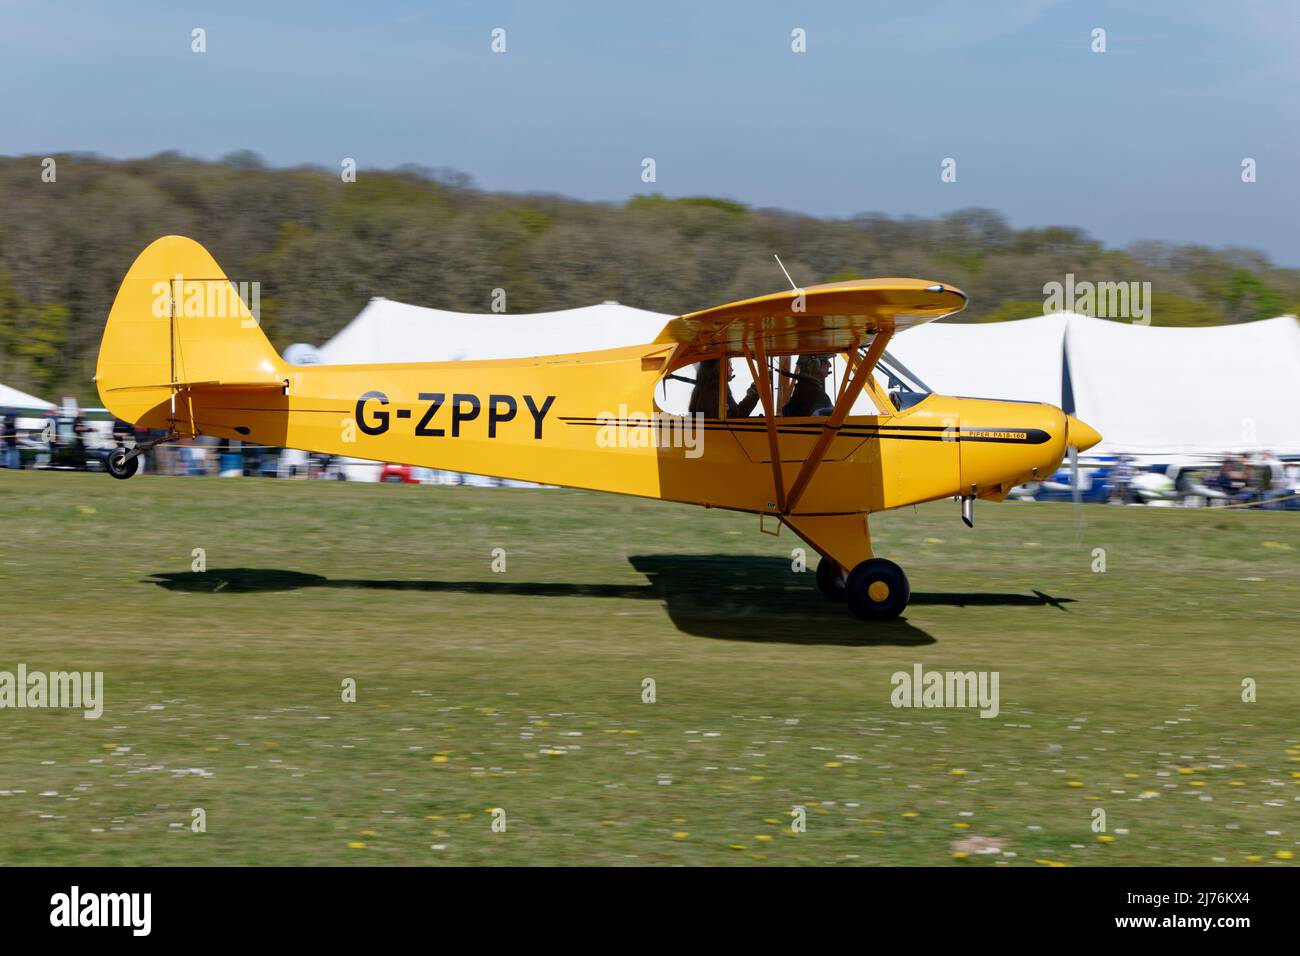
(167,363)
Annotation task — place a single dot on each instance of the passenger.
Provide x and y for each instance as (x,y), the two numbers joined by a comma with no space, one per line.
(704,395)
(809,396)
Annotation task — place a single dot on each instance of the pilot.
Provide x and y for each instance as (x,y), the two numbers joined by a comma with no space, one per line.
(704,396)
(809,396)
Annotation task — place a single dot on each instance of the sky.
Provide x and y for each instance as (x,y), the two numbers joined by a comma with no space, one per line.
(1143,141)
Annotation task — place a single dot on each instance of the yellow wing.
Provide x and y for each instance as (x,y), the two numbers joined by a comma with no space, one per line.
(833,317)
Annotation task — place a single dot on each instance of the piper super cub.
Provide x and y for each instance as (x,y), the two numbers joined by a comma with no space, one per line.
(169,360)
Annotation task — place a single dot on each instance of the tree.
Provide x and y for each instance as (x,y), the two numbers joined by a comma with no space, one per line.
(320,248)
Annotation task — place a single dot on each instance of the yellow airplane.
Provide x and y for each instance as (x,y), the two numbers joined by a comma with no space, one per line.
(182,353)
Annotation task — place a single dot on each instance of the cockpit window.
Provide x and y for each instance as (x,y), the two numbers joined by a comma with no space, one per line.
(802,386)
(902,385)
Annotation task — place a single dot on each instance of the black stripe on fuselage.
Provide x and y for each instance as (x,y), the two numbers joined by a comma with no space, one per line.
(999,436)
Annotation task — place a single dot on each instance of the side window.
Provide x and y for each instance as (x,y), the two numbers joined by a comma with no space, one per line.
(674,391)
(803,386)
(807,385)
(696,389)
(810,384)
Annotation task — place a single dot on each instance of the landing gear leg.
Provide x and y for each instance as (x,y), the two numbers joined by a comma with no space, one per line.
(874,589)
(124,462)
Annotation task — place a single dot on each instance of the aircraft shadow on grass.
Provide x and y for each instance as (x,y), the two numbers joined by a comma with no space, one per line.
(726,597)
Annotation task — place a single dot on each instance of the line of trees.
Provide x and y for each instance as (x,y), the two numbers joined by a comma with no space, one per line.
(321,247)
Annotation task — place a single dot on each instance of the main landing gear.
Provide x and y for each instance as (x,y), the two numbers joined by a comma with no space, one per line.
(875,590)
(124,462)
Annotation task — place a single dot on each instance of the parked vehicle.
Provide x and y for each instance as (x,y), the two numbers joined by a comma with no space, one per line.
(1095,485)
(403,474)
(68,442)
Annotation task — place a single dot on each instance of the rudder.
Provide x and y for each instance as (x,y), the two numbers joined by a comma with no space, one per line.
(178,323)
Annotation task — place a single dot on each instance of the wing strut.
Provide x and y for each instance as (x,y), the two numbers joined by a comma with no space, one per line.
(854,381)
(852,356)
(764,384)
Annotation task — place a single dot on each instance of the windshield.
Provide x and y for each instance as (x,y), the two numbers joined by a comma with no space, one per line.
(905,389)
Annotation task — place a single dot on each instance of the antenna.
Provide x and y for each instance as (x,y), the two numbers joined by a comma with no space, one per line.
(787,274)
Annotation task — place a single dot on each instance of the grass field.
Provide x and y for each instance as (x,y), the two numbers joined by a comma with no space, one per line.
(522,690)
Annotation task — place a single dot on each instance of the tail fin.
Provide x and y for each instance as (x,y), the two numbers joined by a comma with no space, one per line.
(178,323)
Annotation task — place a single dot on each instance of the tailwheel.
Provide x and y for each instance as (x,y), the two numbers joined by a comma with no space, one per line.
(876,590)
(122,464)
(830,580)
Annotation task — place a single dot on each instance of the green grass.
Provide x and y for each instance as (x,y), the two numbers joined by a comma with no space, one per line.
(522,690)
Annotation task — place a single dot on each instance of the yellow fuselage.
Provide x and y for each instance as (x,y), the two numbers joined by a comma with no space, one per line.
(170,360)
(585,421)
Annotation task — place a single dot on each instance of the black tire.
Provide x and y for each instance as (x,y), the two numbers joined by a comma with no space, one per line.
(877,590)
(119,466)
(829,581)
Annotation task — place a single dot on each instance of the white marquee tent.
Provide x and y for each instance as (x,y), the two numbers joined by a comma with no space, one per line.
(1160,391)
(1150,391)
(388,331)
(12,398)
(1015,360)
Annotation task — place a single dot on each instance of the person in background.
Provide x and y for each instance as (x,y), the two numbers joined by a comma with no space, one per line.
(9,433)
(1232,479)
(1121,481)
(1239,478)
(1219,480)
(1272,479)
(79,430)
(1293,485)
(50,436)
